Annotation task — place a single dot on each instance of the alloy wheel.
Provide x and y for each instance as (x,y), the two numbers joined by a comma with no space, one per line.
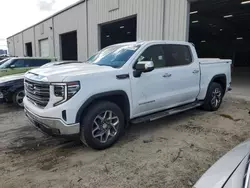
(216,97)
(105,126)
(19,98)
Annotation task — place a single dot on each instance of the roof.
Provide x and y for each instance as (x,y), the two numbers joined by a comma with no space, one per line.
(53,15)
(154,41)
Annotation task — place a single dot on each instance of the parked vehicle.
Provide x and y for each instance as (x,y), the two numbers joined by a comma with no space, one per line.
(22,64)
(232,170)
(12,89)
(4,56)
(124,83)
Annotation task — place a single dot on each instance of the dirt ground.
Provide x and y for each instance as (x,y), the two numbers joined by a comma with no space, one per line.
(173,152)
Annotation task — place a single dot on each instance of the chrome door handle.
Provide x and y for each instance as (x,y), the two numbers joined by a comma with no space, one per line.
(196,71)
(167,75)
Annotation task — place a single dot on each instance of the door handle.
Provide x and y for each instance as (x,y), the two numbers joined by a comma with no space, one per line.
(196,71)
(167,75)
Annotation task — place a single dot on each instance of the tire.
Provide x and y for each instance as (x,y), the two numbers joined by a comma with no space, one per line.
(213,98)
(98,130)
(17,98)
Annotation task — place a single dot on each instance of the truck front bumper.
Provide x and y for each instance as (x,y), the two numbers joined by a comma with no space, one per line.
(52,126)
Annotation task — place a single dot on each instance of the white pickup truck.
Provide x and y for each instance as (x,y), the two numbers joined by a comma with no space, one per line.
(124,83)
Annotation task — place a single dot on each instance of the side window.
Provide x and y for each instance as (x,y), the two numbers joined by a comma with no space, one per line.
(39,62)
(177,55)
(19,63)
(154,53)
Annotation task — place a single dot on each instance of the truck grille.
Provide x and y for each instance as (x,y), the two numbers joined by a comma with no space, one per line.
(37,92)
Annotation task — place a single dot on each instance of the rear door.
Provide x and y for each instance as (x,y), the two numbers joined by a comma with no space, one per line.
(183,74)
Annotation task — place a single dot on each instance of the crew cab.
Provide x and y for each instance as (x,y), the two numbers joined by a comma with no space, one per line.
(124,83)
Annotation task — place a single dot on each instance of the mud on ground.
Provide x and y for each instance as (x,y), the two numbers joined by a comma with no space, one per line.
(173,152)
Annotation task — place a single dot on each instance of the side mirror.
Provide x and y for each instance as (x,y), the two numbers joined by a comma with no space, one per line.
(12,66)
(143,66)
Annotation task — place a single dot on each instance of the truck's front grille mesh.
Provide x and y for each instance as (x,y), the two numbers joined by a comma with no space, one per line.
(37,92)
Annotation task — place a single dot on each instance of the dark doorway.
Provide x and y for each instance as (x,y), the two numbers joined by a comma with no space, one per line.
(69,45)
(220,29)
(28,47)
(118,32)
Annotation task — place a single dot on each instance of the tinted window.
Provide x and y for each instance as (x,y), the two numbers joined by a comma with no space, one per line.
(38,62)
(19,63)
(154,53)
(177,55)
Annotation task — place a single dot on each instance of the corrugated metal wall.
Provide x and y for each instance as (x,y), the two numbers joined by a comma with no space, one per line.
(175,19)
(11,48)
(28,36)
(149,18)
(44,31)
(18,47)
(156,20)
(72,20)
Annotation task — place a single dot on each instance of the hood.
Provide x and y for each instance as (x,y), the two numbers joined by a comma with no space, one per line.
(11,78)
(59,63)
(59,72)
(219,175)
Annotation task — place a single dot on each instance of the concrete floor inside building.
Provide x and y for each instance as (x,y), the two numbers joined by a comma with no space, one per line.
(241,82)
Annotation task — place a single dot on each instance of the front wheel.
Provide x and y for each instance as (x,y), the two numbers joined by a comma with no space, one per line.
(214,97)
(18,98)
(102,125)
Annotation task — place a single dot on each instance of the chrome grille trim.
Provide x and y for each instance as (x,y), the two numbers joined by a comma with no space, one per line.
(37,92)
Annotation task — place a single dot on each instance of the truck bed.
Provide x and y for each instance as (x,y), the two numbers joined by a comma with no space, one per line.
(216,67)
(214,60)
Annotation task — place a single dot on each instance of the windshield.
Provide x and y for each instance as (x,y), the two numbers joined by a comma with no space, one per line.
(6,64)
(4,60)
(114,56)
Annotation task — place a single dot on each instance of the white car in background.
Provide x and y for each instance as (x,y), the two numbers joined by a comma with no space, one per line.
(231,171)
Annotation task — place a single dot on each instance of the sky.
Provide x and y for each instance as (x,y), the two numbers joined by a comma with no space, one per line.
(16,15)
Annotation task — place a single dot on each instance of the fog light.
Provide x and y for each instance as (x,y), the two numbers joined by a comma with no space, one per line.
(1,95)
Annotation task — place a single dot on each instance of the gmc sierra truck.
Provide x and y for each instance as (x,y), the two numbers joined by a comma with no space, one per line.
(124,83)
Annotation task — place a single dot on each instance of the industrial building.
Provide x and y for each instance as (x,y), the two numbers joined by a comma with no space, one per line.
(218,28)
(79,31)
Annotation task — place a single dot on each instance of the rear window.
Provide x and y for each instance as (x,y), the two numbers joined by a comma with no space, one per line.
(177,55)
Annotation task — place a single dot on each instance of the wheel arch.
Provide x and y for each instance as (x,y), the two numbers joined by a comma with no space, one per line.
(220,79)
(119,97)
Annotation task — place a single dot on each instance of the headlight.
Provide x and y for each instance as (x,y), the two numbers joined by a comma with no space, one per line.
(64,91)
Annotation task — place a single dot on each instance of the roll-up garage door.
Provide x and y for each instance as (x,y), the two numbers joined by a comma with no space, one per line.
(44,48)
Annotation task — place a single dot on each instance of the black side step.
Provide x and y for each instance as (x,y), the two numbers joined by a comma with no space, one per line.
(165,113)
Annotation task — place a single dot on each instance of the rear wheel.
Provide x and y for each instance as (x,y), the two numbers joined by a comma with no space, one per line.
(102,126)
(214,97)
(18,98)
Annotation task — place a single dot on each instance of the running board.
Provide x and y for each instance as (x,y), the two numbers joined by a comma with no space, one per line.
(165,113)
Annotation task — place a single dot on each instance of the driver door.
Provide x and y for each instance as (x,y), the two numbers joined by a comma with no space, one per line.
(149,91)
(18,66)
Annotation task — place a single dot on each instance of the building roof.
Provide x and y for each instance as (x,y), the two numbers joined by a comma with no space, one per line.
(53,15)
